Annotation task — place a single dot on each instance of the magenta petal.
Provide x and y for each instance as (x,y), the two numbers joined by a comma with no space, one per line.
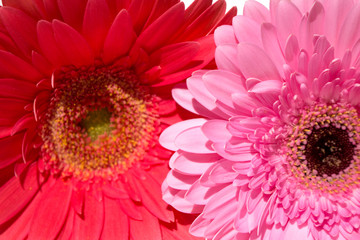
(116,223)
(147,229)
(96,23)
(14,197)
(160,30)
(21,28)
(59,195)
(91,224)
(119,38)
(72,44)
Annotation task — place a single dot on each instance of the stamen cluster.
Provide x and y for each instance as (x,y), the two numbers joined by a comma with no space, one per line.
(100,122)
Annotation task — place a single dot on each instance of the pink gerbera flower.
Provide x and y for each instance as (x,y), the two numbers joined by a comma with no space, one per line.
(84,94)
(277,155)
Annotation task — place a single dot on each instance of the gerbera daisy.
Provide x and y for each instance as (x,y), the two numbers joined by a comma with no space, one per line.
(84,94)
(277,154)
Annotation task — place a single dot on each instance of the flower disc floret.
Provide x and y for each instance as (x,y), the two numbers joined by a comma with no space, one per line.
(100,121)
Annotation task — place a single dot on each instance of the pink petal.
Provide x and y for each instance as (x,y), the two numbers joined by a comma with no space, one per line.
(179,181)
(267,91)
(271,45)
(216,130)
(185,99)
(288,19)
(192,164)
(256,11)
(349,33)
(198,89)
(224,35)
(168,136)
(193,140)
(225,57)
(120,37)
(250,57)
(246,30)
(336,12)
(221,84)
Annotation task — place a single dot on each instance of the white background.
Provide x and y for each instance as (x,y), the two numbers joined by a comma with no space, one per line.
(230,3)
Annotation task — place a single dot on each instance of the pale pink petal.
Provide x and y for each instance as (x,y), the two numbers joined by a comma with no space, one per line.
(168,136)
(250,57)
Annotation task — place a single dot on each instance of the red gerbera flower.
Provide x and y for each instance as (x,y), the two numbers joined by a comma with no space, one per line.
(84,95)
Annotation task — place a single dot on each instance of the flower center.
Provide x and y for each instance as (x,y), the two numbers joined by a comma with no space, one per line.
(100,122)
(323,148)
(329,150)
(97,123)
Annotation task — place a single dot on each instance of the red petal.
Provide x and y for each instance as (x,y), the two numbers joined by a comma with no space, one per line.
(21,28)
(51,9)
(130,209)
(11,110)
(175,56)
(139,11)
(161,29)
(160,6)
(205,22)
(196,9)
(48,43)
(72,44)
(41,63)
(10,66)
(151,198)
(90,226)
(53,209)
(116,223)
(11,150)
(30,7)
(147,229)
(227,19)
(14,197)
(20,228)
(120,37)
(72,12)
(14,88)
(96,23)
(66,231)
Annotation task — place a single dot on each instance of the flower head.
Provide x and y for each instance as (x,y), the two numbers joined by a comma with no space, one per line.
(277,154)
(84,95)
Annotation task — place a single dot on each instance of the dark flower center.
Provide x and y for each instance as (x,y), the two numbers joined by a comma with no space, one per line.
(329,150)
